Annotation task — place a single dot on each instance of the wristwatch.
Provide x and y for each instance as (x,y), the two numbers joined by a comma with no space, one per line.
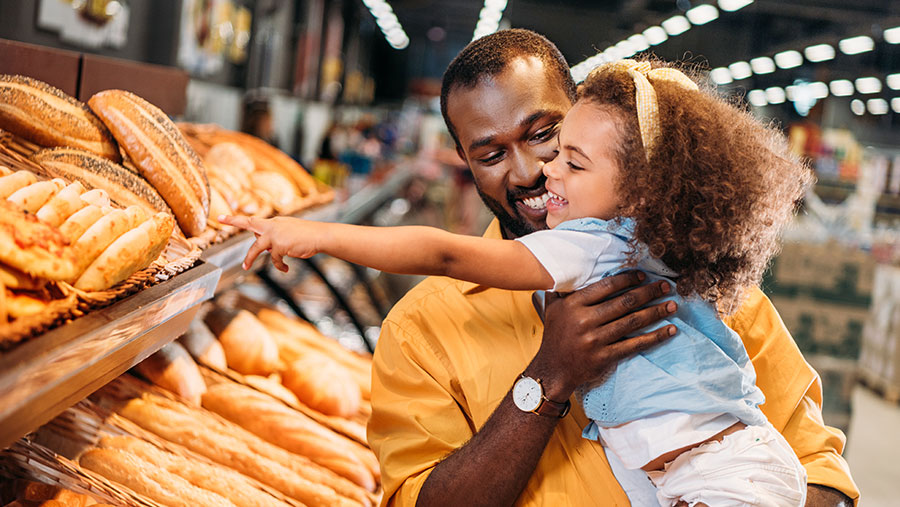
(528,395)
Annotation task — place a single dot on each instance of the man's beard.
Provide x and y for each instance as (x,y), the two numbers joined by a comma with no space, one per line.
(517,226)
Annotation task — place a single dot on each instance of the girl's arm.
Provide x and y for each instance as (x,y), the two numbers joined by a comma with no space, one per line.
(411,250)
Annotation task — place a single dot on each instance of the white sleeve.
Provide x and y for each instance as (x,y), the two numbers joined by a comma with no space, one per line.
(574,258)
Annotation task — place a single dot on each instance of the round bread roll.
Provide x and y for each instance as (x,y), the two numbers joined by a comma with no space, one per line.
(323,384)
(249,348)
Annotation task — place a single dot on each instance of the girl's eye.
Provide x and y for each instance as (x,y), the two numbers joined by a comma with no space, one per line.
(574,167)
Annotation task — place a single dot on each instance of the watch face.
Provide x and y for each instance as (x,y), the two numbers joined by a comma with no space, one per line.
(527,394)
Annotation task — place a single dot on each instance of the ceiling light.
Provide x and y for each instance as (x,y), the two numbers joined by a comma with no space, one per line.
(775,95)
(655,35)
(856,45)
(757,98)
(789,59)
(740,70)
(817,90)
(893,81)
(489,18)
(841,87)
(762,65)
(892,35)
(868,85)
(819,53)
(625,49)
(858,107)
(877,106)
(895,104)
(733,5)
(639,42)
(720,76)
(791,92)
(702,14)
(676,25)
(388,23)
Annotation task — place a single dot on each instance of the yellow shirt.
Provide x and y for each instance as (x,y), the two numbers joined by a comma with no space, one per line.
(449,351)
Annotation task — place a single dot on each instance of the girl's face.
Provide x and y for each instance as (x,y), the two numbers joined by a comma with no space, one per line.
(582,179)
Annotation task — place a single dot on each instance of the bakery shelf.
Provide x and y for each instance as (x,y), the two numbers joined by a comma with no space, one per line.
(47,374)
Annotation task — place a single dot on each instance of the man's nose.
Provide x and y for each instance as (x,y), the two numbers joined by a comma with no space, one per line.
(526,172)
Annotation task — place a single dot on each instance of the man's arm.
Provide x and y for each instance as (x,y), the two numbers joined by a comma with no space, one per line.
(582,338)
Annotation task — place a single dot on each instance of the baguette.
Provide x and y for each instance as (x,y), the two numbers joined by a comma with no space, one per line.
(12,182)
(148,480)
(124,187)
(218,479)
(249,348)
(33,247)
(227,446)
(80,221)
(322,384)
(202,344)
(100,235)
(274,422)
(230,158)
(161,154)
(55,211)
(45,115)
(32,197)
(172,368)
(130,252)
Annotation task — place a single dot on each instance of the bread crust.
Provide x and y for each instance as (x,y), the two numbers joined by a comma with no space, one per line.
(34,247)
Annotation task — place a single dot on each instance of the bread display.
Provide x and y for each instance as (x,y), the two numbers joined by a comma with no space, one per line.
(124,187)
(149,480)
(172,368)
(32,197)
(323,384)
(45,115)
(203,346)
(10,183)
(249,348)
(30,493)
(161,154)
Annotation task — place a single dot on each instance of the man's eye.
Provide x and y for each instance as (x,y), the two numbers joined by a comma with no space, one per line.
(493,157)
(545,134)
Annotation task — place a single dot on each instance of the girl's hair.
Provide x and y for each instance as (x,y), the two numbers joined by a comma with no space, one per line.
(716,192)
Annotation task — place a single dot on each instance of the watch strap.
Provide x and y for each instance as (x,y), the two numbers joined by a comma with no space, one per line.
(550,408)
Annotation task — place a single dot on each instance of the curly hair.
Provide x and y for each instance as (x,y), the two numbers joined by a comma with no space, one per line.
(489,55)
(716,192)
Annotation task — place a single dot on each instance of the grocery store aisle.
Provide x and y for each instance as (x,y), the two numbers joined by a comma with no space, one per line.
(873,449)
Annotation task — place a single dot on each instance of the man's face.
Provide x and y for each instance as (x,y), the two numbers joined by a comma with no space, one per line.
(507,129)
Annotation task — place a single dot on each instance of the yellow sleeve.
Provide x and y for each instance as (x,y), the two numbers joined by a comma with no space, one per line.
(416,416)
(793,393)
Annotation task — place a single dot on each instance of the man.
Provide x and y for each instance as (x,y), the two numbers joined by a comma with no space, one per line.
(445,421)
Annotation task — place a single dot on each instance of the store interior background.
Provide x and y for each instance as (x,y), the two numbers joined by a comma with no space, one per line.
(321,81)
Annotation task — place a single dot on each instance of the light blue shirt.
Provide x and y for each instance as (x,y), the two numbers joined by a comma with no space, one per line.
(703,369)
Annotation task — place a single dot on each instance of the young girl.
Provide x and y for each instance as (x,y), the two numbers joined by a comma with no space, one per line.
(655,174)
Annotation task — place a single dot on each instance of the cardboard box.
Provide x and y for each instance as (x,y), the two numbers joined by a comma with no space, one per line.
(823,327)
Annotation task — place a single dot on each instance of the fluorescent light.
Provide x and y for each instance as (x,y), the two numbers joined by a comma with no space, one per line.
(877,106)
(639,42)
(895,104)
(893,81)
(841,87)
(856,45)
(762,65)
(892,35)
(489,18)
(625,49)
(676,25)
(790,91)
(818,90)
(388,23)
(740,70)
(733,5)
(788,59)
(655,35)
(819,53)
(868,85)
(757,98)
(702,14)
(775,95)
(858,107)
(720,76)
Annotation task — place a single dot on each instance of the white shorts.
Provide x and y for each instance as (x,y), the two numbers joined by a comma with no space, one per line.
(754,466)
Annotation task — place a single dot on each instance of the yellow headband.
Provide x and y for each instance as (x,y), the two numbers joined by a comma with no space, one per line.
(645,96)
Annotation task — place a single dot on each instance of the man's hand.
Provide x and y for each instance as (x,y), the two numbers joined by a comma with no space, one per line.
(584,331)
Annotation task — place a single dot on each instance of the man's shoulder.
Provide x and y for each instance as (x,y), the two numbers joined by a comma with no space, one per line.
(434,295)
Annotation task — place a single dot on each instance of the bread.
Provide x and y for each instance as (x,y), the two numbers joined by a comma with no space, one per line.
(124,187)
(32,197)
(272,387)
(34,247)
(172,368)
(67,201)
(202,344)
(233,448)
(145,479)
(161,154)
(218,206)
(45,115)
(278,189)
(249,348)
(101,234)
(30,493)
(130,252)
(23,305)
(97,197)
(80,221)
(232,160)
(323,385)
(15,279)
(274,422)
(269,158)
(218,479)
(11,182)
